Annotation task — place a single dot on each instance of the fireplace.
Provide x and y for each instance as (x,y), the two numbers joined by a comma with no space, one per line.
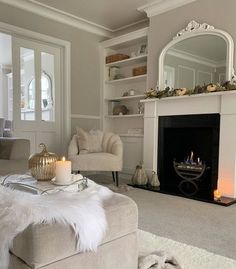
(188,153)
(220,105)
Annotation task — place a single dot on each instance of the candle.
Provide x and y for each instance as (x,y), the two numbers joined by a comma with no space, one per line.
(63,171)
(217,195)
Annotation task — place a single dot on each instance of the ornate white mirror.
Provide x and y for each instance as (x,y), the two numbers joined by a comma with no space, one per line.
(198,55)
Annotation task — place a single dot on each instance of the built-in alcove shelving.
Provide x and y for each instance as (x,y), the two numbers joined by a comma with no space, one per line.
(126,89)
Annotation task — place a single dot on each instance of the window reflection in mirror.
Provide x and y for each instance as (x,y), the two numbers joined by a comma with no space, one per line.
(195,61)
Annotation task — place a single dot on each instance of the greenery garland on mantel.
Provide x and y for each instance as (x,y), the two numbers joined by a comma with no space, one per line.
(209,88)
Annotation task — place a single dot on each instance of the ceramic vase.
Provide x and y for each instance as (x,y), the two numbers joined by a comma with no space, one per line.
(154,181)
(139,177)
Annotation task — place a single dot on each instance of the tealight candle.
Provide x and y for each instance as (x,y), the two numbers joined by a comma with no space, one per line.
(63,171)
(217,195)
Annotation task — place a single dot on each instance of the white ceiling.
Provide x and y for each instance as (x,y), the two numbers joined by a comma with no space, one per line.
(111,14)
(5,49)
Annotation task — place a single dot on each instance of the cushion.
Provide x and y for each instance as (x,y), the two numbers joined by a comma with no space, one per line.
(73,148)
(90,141)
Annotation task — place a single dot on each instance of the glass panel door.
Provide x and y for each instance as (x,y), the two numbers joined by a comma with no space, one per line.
(37,93)
(27,75)
(47,87)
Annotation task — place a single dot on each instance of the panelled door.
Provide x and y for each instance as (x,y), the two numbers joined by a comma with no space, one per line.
(37,111)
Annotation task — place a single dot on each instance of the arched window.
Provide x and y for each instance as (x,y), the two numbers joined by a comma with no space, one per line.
(46,92)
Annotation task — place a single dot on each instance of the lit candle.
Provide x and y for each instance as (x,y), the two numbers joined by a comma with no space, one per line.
(217,195)
(63,171)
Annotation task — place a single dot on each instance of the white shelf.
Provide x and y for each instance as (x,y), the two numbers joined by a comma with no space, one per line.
(126,62)
(129,79)
(126,97)
(131,135)
(124,116)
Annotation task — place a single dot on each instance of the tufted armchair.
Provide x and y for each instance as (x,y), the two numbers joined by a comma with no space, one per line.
(108,158)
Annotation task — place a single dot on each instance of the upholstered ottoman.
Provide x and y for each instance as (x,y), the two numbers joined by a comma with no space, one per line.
(54,246)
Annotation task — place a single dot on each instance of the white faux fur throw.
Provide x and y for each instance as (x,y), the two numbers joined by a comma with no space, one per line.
(83,211)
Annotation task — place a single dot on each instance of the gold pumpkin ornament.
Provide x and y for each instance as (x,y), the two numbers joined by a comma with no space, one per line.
(43,165)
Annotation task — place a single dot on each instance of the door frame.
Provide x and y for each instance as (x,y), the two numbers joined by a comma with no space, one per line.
(65,52)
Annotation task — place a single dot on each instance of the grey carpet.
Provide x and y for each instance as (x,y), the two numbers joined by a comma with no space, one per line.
(203,225)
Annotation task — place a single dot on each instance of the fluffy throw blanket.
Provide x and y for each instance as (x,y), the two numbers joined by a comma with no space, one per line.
(158,260)
(83,211)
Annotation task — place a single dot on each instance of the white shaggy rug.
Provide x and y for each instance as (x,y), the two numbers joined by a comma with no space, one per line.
(189,257)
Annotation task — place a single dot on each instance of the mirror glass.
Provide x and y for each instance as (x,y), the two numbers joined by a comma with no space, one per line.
(197,60)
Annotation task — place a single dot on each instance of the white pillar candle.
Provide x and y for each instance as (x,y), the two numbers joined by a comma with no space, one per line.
(63,171)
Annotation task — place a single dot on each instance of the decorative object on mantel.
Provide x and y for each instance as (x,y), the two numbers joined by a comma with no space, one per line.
(151,93)
(42,165)
(167,92)
(120,110)
(154,181)
(139,177)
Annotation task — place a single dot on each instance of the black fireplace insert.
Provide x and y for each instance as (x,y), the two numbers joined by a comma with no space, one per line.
(188,153)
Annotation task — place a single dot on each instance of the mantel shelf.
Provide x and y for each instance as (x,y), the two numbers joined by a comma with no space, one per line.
(141,96)
(188,96)
(124,116)
(133,60)
(129,79)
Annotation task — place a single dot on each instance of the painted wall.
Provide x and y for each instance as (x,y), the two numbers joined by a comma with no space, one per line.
(163,27)
(85,98)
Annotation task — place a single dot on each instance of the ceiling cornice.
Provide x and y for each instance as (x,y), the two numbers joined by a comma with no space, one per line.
(60,16)
(161,6)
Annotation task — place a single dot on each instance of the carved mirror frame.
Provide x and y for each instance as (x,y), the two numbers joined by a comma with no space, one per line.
(196,29)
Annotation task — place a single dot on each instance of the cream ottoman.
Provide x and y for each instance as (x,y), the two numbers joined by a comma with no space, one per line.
(54,246)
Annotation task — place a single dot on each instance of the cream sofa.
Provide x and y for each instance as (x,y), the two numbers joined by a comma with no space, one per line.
(53,246)
(14,154)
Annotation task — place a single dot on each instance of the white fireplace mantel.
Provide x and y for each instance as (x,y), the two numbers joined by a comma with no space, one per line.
(223,103)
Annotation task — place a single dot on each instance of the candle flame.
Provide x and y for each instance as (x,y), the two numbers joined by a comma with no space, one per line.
(63,159)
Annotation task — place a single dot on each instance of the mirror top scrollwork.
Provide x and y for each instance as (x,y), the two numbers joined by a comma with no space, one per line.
(198,54)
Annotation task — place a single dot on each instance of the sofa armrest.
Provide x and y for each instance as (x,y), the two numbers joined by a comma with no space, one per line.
(20,149)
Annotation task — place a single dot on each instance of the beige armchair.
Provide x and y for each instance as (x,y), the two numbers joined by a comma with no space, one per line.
(110,158)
